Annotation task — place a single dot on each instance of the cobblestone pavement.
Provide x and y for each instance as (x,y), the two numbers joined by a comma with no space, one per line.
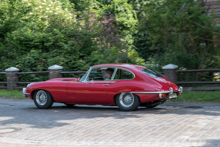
(171,124)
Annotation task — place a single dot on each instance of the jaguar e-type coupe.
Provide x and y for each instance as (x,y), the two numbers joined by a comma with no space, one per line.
(125,85)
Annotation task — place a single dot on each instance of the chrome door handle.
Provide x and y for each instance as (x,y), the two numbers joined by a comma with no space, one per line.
(105,84)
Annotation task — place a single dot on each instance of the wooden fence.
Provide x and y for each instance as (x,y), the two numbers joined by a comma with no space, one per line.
(3,82)
(14,83)
(216,84)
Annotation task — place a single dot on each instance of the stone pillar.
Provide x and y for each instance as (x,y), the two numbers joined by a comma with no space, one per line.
(170,72)
(54,71)
(12,78)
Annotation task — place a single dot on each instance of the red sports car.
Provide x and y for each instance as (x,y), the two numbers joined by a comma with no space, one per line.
(125,85)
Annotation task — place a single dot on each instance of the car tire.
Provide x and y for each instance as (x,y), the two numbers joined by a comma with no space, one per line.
(127,101)
(43,99)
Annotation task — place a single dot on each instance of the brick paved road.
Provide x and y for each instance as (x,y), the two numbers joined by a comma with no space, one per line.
(171,124)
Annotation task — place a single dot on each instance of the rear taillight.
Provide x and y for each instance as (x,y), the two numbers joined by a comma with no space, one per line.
(163,95)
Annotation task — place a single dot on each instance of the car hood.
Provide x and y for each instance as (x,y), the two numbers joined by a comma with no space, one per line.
(64,79)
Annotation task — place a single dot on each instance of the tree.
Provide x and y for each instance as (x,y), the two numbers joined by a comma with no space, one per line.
(37,34)
(180,32)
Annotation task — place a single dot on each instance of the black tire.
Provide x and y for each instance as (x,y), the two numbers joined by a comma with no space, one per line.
(127,101)
(43,99)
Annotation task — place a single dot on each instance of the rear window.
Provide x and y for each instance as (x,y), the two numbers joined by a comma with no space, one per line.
(152,73)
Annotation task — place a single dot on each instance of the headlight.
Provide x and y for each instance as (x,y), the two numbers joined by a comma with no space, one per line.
(30,84)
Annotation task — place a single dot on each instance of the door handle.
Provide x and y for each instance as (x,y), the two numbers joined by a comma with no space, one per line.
(105,84)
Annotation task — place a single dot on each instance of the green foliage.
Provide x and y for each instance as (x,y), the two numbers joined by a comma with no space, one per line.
(35,34)
(12,94)
(181,33)
(200,96)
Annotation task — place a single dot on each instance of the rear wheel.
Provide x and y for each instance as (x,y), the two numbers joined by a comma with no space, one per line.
(43,99)
(127,101)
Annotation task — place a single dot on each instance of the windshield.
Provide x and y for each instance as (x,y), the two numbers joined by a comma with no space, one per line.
(152,73)
(84,77)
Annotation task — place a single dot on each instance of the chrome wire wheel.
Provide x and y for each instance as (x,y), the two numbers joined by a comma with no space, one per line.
(126,99)
(41,97)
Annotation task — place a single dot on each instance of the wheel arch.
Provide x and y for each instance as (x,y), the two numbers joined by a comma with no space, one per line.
(35,90)
(115,96)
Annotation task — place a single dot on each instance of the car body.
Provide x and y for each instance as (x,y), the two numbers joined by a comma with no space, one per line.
(128,87)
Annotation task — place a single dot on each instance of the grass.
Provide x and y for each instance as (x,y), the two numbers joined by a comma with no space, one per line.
(12,94)
(200,96)
(192,96)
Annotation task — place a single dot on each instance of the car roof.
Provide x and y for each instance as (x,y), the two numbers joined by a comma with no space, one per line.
(121,65)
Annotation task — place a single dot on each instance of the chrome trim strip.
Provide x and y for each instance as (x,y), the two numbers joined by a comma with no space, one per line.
(102,82)
(159,92)
(156,92)
(86,79)
(114,73)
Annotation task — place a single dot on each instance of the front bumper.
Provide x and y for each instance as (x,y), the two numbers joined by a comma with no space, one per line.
(25,93)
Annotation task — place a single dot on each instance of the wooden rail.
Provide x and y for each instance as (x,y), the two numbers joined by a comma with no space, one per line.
(2,82)
(19,84)
(3,87)
(73,72)
(199,70)
(199,82)
(24,82)
(201,88)
(28,73)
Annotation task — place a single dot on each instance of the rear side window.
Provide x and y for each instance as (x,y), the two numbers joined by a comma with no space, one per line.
(122,74)
(152,73)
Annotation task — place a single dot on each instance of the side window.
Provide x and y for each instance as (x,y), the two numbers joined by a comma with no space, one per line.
(101,73)
(95,74)
(122,74)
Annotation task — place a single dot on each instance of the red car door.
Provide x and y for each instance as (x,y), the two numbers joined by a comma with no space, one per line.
(93,92)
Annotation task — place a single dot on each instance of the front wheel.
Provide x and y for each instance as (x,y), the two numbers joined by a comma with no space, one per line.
(127,101)
(43,99)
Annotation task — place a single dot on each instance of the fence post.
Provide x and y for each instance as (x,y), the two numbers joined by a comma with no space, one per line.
(54,71)
(170,72)
(12,78)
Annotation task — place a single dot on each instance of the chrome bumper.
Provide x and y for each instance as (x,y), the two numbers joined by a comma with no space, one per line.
(170,92)
(24,92)
(180,90)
